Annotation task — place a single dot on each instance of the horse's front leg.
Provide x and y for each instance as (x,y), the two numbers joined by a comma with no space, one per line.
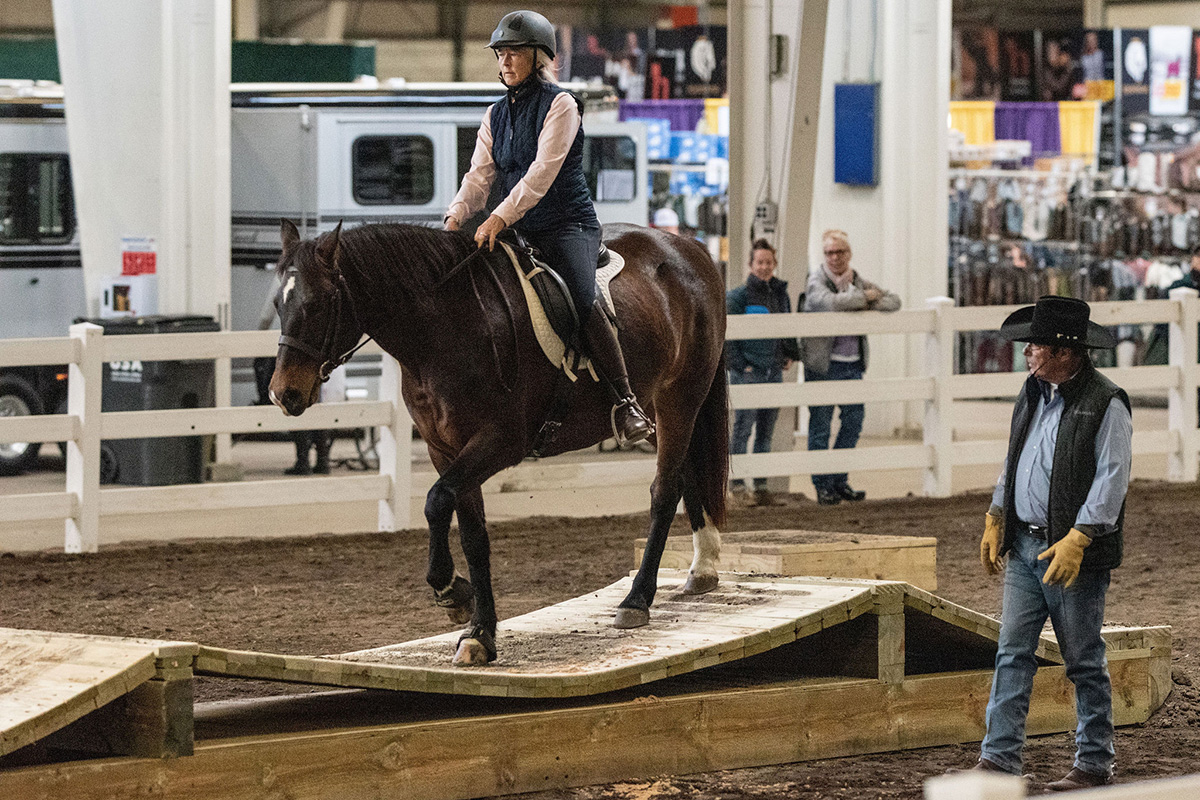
(451,591)
(459,488)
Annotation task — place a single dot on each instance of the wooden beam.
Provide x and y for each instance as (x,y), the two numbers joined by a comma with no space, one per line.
(560,746)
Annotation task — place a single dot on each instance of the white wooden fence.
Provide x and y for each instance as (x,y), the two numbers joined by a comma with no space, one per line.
(83,427)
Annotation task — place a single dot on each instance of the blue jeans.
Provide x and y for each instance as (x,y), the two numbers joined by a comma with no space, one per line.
(820,420)
(762,420)
(1077,614)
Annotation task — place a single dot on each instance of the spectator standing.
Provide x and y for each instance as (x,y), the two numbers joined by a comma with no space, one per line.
(758,360)
(1057,512)
(834,286)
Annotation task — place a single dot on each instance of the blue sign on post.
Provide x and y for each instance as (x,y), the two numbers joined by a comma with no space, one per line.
(856,133)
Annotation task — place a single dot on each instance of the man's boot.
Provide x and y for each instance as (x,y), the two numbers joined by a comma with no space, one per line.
(630,424)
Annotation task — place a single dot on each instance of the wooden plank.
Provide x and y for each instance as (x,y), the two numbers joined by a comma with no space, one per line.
(243,419)
(881,390)
(42,428)
(247,494)
(177,346)
(38,352)
(558,748)
(39,506)
(751,326)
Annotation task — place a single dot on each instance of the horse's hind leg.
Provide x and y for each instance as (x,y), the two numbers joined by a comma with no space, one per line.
(706,542)
(665,492)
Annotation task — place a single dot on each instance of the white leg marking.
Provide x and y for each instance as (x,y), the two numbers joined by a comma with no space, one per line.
(287,288)
(706,546)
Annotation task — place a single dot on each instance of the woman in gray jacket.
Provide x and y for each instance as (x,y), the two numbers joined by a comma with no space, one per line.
(837,287)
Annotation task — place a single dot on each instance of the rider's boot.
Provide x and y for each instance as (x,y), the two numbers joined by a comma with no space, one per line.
(629,422)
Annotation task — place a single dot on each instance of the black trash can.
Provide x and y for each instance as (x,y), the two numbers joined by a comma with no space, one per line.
(153,386)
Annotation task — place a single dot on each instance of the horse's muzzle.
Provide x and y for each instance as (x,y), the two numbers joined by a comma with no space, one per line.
(293,402)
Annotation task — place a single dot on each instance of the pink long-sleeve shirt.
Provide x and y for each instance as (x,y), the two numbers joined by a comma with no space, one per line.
(558,134)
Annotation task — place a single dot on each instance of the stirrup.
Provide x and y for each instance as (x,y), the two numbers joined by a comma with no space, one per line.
(645,426)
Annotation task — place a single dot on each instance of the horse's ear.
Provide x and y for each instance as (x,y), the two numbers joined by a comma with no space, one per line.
(288,234)
(328,245)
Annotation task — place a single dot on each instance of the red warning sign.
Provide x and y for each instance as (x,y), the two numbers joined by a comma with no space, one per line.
(139,255)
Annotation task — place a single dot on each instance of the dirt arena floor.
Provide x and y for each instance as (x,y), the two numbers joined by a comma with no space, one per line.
(335,594)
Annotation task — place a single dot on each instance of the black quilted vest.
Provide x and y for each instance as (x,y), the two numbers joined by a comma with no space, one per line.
(516,125)
(1086,398)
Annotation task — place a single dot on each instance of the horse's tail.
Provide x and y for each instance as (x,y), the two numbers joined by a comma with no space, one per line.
(708,452)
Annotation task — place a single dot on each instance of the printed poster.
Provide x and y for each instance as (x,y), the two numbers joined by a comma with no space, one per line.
(139,255)
(1170,51)
(1135,71)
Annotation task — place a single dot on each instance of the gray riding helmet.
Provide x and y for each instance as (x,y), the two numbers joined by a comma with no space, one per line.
(524,29)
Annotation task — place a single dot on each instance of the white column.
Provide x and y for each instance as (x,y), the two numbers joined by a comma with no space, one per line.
(83,454)
(897,229)
(939,420)
(146,87)
(1184,464)
(395,451)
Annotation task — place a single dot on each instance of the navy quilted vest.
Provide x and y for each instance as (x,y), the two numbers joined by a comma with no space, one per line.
(516,124)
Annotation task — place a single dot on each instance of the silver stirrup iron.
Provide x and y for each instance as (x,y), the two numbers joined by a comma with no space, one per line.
(617,433)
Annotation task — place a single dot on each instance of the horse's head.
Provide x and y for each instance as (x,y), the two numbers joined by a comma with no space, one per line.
(316,318)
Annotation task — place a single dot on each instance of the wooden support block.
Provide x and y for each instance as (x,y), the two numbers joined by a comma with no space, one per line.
(152,721)
(891,647)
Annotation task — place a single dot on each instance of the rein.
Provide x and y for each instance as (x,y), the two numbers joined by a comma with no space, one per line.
(325,353)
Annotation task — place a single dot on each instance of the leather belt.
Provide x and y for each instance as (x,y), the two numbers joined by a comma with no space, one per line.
(1039,531)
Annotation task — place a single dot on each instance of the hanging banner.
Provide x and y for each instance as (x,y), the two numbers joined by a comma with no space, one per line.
(615,57)
(687,62)
(1170,51)
(1016,65)
(1135,71)
(1194,103)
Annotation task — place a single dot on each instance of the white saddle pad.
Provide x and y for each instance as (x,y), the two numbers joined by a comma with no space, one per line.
(552,345)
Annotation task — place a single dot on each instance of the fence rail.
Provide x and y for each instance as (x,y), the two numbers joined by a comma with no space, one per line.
(83,427)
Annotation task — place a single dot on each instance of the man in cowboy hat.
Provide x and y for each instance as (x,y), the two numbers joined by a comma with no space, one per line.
(1057,514)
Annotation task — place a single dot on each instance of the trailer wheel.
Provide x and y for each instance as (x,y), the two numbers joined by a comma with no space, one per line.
(18,399)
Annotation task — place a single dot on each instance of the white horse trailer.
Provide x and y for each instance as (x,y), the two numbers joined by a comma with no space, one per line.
(316,154)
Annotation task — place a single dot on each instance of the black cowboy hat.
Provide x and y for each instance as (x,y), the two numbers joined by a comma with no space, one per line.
(1057,322)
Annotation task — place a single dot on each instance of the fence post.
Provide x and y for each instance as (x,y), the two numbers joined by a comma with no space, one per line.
(939,422)
(1183,464)
(395,451)
(974,785)
(83,454)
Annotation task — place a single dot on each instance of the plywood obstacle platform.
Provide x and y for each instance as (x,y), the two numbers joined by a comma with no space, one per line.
(762,671)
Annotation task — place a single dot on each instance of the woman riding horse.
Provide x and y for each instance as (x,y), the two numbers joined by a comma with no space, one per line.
(532,140)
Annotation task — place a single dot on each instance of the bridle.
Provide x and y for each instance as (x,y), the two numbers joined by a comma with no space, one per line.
(326,354)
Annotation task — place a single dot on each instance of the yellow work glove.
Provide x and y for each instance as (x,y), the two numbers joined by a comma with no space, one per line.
(1066,555)
(989,546)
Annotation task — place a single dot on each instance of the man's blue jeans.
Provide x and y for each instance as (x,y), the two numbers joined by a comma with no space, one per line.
(761,420)
(1077,614)
(820,420)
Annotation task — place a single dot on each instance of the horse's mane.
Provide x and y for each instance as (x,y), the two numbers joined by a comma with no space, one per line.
(408,258)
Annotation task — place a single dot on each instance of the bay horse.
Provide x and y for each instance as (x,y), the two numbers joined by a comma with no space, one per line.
(479,388)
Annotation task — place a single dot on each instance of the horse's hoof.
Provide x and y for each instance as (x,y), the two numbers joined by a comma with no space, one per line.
(631,618)
(471,653)
(699,584)
(458,599)
(458,615)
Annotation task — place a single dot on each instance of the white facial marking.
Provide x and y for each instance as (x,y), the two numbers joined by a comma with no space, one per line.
(287,288)
(275,400)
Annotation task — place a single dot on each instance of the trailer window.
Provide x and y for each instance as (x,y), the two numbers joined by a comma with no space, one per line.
(392,170)
(36,204)
(610,166)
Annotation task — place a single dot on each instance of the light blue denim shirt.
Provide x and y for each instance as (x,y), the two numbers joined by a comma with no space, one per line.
(1114,451)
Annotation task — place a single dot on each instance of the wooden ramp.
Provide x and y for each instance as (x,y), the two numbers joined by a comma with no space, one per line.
(766,670)
(49,680)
